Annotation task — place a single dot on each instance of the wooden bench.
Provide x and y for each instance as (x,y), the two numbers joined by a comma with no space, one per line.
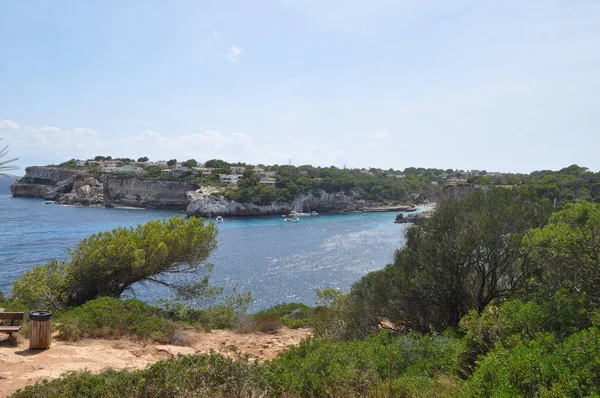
(12,316)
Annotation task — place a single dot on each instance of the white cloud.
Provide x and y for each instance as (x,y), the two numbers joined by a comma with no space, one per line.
(53,145)
(216,33)
(8,125)
(381,135)
(234,53)
(544,147)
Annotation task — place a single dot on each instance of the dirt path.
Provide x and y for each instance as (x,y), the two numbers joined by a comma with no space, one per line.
(20,366)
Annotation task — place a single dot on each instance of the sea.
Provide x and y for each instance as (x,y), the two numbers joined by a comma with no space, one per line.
(276,261)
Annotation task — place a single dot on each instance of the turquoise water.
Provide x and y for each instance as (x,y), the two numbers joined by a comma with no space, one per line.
(277,261)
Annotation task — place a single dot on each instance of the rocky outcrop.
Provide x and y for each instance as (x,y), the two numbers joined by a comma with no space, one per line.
(85,190)
(152,194)
(204,203)
(44,182)
(47,175)
(82,188)
(27,190)
(414,218)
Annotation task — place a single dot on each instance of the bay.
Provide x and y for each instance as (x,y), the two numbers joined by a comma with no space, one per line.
(277,261)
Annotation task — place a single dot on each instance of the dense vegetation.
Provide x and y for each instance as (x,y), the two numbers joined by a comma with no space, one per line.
(109,263)
(411,185)
(494,296)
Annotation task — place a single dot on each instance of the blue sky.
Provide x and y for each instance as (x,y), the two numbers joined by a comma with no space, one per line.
(496,85)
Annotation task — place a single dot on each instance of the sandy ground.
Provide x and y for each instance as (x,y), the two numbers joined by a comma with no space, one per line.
(20,366)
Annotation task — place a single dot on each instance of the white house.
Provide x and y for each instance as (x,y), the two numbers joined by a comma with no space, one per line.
(130,170)
(237,170)
(80,163)
(230,179)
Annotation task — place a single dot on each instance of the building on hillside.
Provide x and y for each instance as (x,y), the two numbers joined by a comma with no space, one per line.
(231,179)
(455,181)
(268,174)
(366,172)
(237,170)
(178,169)
(127,169)
(80,163)
(257,170)
(109,166)
(203,171)
(303,172)
(270,182)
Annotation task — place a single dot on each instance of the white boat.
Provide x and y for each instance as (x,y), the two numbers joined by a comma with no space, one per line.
(219,218)
(301,214)
(291,218)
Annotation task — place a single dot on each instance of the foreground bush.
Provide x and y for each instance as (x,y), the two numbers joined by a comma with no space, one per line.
(322,368)
(541,367)
(187,376)
(292,315)
(112,318)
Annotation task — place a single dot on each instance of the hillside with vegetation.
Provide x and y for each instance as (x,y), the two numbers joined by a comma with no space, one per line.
(264,184)
(496,295)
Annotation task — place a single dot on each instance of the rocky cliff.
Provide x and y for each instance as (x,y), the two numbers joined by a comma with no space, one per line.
(73,187)
(83,188)
(43,182)
(153,194)
(203,203)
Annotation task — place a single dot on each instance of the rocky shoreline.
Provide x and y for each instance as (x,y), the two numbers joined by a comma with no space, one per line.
(71,187)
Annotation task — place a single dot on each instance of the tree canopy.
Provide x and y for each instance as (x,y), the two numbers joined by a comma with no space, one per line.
(465,256)
(109,263)
(567,250)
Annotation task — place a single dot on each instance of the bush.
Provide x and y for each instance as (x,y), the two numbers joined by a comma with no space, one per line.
(292,315)
(322,368)
(44,286)
(187,376)
(515,321)
(112,318)
(541,367)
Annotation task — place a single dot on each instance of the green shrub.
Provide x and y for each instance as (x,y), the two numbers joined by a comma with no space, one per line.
(515,321)
(111,318)
(222,315)
(187,376)
(292,315)
(323,368)
(541,367)
(42,287)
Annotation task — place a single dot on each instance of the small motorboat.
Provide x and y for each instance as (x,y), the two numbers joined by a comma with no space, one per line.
(219,218)
(291,218)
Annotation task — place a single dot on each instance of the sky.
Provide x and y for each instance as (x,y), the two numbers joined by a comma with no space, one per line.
(509,85)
